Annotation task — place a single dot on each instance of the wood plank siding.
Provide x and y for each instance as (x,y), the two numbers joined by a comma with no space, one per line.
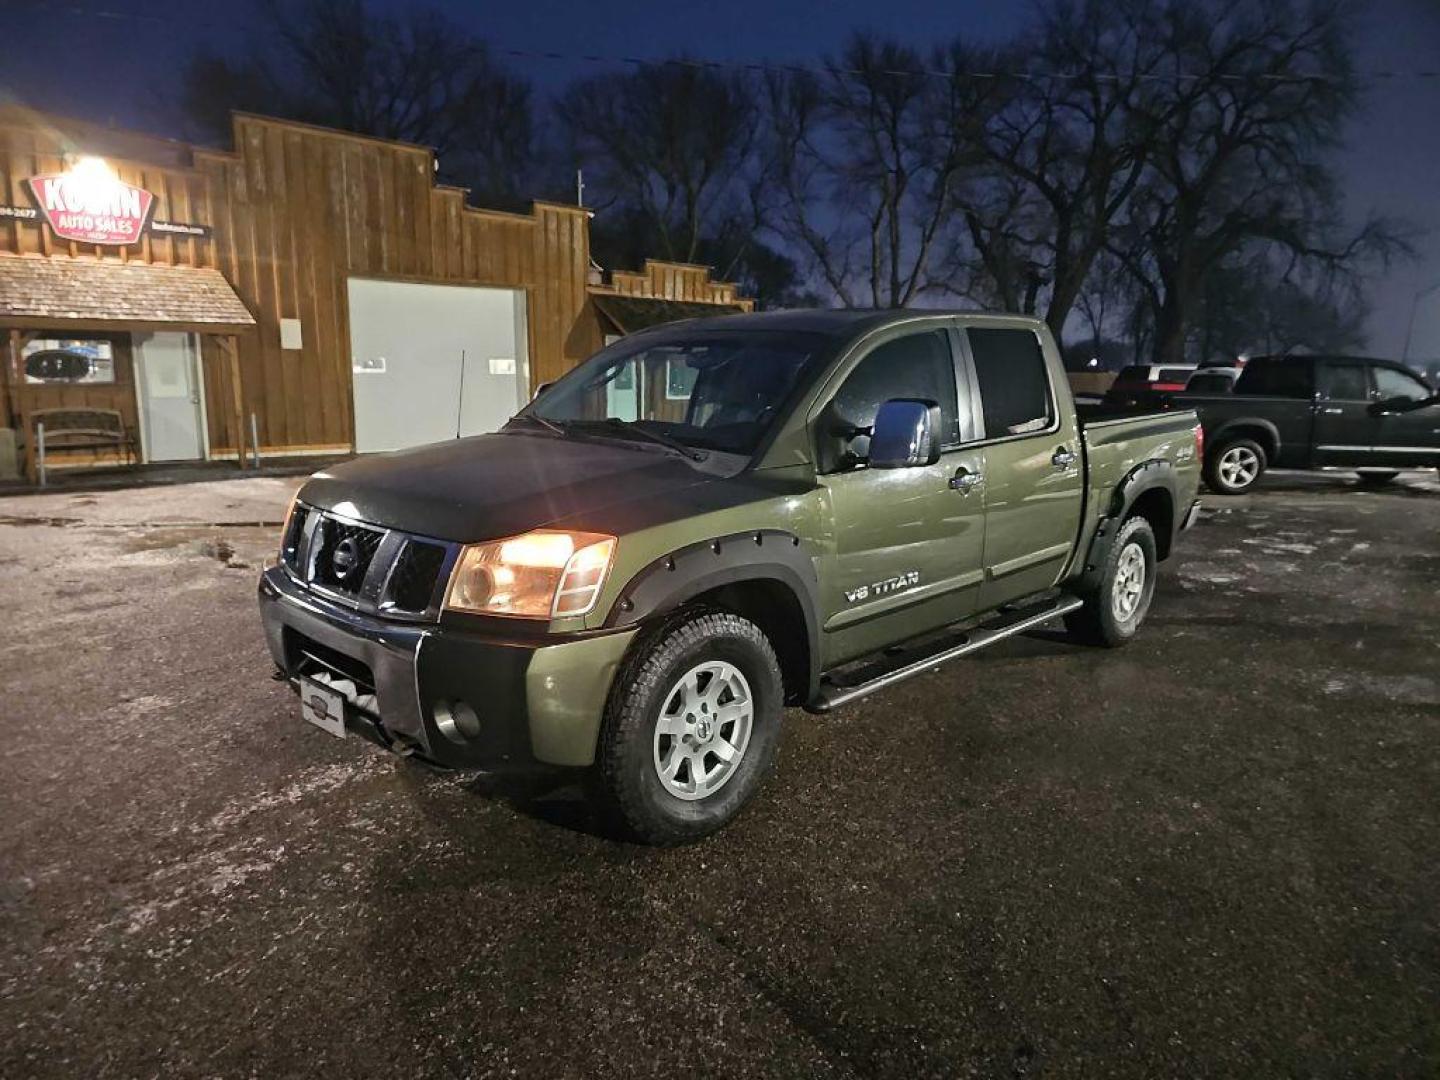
(293,211)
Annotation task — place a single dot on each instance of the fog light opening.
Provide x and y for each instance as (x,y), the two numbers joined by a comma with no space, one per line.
(457,721)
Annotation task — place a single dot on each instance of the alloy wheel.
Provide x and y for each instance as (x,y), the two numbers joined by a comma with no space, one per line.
(703,730)
(1129,588)
(1239,466)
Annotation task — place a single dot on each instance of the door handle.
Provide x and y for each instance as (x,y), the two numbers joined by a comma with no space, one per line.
(1332,412)
(965,481)
(1063,457)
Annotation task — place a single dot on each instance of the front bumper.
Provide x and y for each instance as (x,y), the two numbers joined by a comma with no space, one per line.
(537,701)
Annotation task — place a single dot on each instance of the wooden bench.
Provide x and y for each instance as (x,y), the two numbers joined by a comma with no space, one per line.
(77,428)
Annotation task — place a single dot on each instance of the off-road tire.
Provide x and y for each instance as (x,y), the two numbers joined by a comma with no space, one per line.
(627,781)
(1097,622)
(1214,477)
(1377,477)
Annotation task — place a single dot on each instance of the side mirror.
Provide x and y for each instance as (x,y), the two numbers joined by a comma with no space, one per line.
(542,388)
(906,434)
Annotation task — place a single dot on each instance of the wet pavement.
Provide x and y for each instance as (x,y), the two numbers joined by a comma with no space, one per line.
(1213,852)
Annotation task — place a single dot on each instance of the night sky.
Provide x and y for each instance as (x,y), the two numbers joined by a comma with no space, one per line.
(107,60)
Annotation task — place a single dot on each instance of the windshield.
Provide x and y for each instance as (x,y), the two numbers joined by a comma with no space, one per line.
(715,391)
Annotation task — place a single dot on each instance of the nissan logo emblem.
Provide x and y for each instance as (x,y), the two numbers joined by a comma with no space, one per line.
(344,559)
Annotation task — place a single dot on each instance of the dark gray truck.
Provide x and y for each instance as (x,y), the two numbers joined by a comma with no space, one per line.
(1312,412)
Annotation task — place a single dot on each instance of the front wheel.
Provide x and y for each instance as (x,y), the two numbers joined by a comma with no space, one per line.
(691,726)
(1234,466)
(1113,613)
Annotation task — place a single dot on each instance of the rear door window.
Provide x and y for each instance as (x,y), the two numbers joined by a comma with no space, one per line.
(1344,382)
(1013,382)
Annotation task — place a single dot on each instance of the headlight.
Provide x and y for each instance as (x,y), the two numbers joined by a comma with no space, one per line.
(540,575)
(289,541)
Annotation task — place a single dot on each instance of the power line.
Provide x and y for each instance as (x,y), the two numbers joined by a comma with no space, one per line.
(762,66)
(774,67)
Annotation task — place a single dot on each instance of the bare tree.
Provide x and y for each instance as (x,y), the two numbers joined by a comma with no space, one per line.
(1258,93)
(415,77)
(669,144)
(1070,141)
(863,160)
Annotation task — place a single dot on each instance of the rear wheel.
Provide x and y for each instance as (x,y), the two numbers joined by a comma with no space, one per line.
(1113,614)
(691,727)
(1234,466)
(1377,477)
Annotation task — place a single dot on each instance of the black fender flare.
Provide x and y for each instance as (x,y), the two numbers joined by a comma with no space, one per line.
(1146,476)
(770,555)
(1242,423)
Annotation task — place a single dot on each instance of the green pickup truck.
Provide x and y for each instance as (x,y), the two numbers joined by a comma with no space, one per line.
(707,522)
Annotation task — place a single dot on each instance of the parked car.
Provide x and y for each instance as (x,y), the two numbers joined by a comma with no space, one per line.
(1135,384)
(795,508)
(1307,412)
(1212,380)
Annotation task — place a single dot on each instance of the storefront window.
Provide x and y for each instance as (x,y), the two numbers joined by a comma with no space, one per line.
(68,361)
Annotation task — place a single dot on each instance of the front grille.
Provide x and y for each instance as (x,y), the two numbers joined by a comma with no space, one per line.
(337,557)
(343,553)
(309,657)
(412,585)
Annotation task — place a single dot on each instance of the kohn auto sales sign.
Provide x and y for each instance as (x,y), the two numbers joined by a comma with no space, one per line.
(92,205)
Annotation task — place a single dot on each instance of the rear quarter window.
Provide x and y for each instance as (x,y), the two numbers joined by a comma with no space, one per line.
(1277,378)
(1209,384)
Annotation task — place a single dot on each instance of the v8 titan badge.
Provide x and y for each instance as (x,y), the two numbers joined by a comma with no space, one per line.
(883,587)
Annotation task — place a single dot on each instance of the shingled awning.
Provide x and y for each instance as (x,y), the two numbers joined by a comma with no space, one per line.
(631,313)
(59,292)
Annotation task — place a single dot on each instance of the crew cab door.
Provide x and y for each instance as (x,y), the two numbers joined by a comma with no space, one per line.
(1406,415)
(1034,477)
(1344,429)
(907,544)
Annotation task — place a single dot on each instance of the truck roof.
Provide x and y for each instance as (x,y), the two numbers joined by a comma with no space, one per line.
(1307,358)
(836,322)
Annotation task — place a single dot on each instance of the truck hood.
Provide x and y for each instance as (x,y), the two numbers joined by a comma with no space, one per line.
(490,486)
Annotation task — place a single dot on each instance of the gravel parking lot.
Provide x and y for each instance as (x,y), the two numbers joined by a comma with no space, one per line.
(1210,853)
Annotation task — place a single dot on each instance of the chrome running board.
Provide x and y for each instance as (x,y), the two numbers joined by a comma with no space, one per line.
(904,663)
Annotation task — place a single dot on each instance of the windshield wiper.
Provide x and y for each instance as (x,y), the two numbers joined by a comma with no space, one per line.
(546,423)
(630,427)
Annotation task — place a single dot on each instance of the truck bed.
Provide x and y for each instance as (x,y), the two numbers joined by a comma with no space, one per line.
(1102,413)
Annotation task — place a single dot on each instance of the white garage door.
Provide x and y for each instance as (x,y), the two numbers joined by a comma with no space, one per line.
(434,362)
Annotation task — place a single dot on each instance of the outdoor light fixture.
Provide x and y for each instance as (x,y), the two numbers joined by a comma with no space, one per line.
(539,575)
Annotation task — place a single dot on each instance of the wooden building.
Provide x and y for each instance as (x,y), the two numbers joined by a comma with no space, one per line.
(316,281)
